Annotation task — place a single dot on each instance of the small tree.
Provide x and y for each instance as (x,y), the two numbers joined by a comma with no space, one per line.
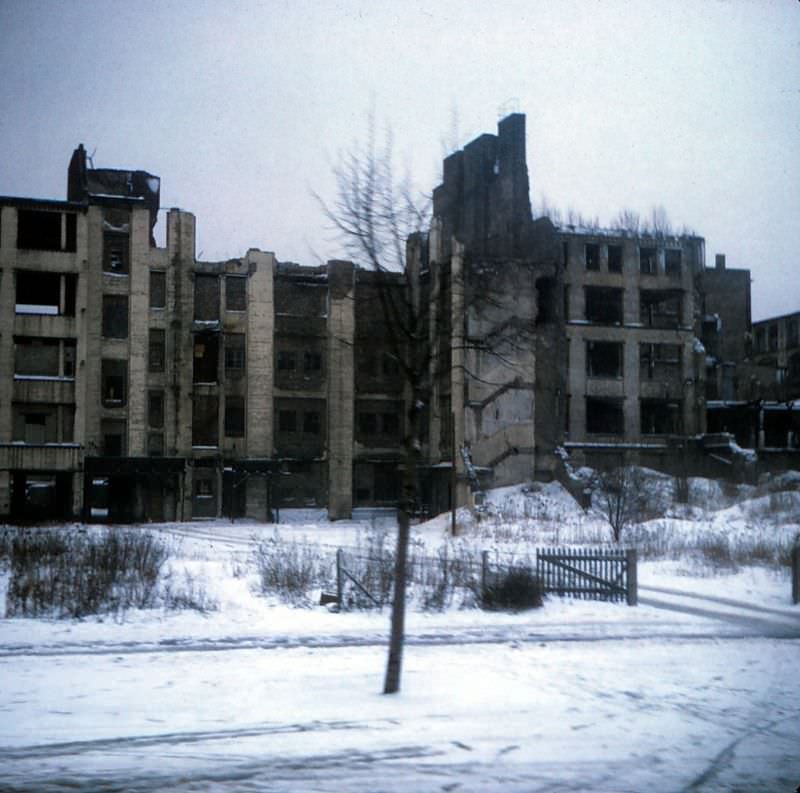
(619,498)
(375,213)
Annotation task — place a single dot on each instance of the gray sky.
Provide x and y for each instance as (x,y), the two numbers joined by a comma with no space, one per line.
(242,107)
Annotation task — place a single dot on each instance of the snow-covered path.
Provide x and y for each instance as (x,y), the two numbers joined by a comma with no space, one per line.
(664,715)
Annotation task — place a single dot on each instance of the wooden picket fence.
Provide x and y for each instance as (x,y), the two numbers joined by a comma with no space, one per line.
(589,573)
(586,573)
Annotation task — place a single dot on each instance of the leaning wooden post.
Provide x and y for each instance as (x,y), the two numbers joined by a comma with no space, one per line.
(796,574)
(339,579)
(633,583)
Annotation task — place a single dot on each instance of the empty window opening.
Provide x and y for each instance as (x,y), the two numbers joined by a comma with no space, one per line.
(311,422)
(604,359)
(39,293)
(673,261)
(791,333)
(659,417)
(615,258)
(115,316)
(235,355)
(603,305)
(660,309)
(234,416)
(287,421)
(592,256)
(647,261)
(604,416)
(312,361)
(235,293)
(378,422)
(114,434)
(158,289)
(206,358)
(36,357)
(40,230)
(772,338)
(116,253)
(205,421)
(287,361)
(206,298)
(156,350)
(114,382)
(155,409)
(70,347)
(546,300)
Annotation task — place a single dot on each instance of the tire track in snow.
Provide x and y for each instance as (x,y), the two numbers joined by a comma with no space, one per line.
(180,738)
(739,629)
(723,601)
(759,626)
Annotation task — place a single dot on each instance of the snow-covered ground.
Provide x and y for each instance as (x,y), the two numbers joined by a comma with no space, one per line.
(694,689)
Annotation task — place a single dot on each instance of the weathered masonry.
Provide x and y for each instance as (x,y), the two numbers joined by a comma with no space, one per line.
(139,383)
(142,384)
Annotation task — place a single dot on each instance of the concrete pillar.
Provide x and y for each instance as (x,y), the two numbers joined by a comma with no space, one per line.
(341,388)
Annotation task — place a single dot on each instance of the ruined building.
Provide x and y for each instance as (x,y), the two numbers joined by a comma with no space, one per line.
(139,383)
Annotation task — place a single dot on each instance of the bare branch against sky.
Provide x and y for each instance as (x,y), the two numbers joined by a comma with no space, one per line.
(241,106)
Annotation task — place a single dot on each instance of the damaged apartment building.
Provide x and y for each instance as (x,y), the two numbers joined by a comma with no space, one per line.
(140,383)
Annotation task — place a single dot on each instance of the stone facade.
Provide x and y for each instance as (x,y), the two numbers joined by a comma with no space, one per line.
(139,383)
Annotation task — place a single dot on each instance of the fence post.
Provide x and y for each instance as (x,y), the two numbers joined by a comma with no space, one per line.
(796,574)
(339,579)
(632,582)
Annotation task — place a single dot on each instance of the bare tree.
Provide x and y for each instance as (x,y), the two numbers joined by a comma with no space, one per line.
(375,212)
(619,498)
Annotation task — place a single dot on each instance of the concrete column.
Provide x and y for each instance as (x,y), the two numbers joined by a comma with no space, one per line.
(138,331)
(341,388)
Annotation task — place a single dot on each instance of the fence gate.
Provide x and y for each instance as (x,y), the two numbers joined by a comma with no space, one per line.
(589,573)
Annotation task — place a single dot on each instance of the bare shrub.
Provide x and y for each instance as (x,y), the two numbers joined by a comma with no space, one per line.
(514,588)
(64,574)
(188,593)
(619,498)
(290,570)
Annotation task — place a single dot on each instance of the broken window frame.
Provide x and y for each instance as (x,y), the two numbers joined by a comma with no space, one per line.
(235,355)
(658,359)
(591,256)
(648,260)
(60,236)
(116,253)
(51,294)
(205,358)
(114,382)
(660,308)
(156,350)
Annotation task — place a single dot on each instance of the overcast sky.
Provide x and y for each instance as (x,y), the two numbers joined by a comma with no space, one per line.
(242,107)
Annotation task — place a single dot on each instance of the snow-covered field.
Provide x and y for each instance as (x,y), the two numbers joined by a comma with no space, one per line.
(694,689)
